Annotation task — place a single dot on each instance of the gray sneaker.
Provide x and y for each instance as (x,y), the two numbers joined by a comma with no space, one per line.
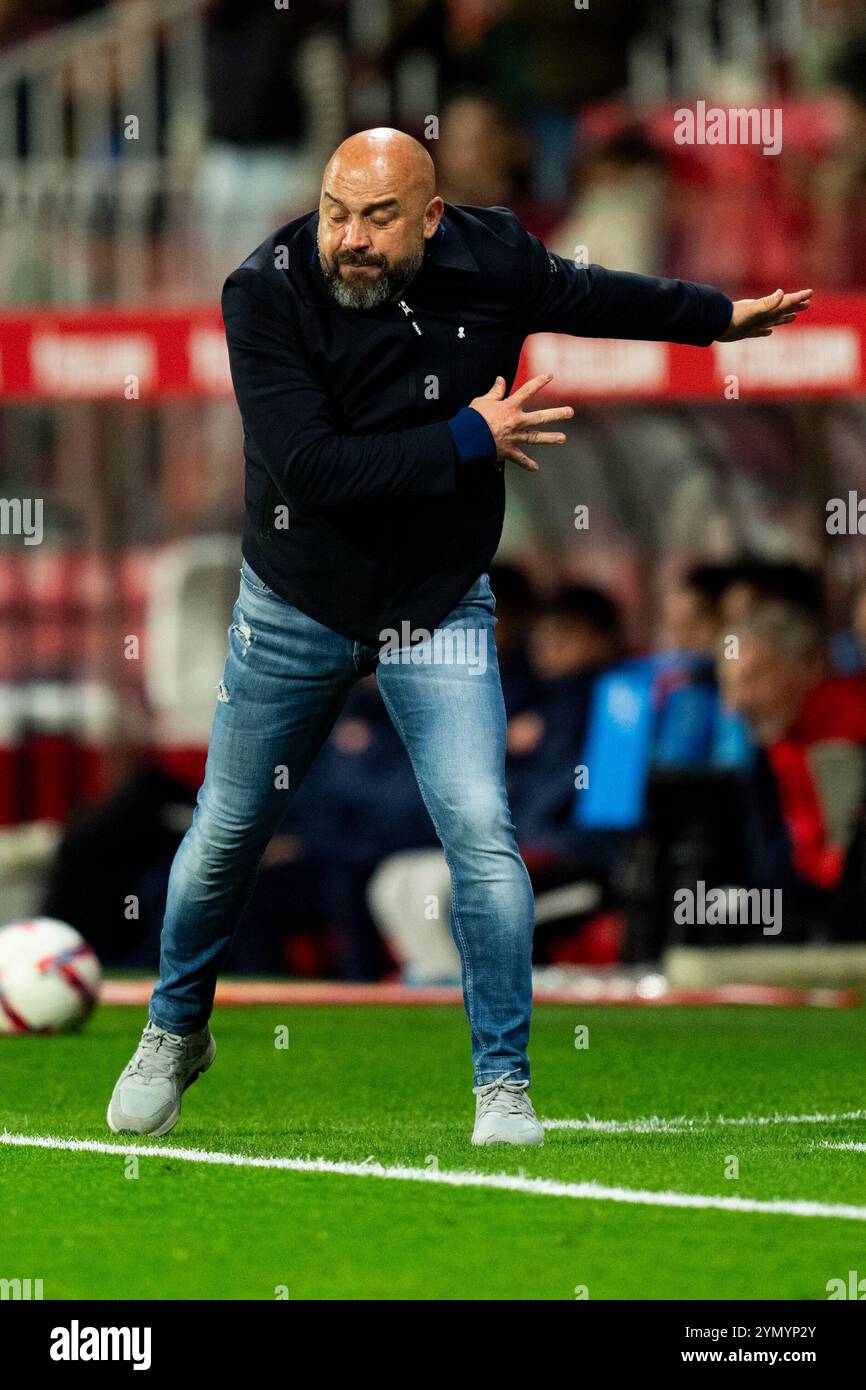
(504,1114)
(146,1099)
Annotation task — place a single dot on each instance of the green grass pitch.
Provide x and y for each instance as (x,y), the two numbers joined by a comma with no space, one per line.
(393,1084)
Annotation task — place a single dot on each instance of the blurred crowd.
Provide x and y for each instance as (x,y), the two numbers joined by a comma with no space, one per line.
(728,745)
(540,112)
(742,737)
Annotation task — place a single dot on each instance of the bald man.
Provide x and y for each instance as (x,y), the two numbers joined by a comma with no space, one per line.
(373,344)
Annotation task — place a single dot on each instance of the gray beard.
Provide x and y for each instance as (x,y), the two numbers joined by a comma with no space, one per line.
(391,283)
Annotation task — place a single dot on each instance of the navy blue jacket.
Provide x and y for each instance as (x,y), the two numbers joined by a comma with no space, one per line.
(356,427)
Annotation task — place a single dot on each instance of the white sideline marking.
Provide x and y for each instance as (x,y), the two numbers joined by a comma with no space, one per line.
(855,1148)
(507,1182)
(682,1124)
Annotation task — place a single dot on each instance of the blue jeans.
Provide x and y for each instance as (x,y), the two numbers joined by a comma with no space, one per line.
(286,678)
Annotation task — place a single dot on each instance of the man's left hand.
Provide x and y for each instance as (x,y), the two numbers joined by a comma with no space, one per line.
(756,318)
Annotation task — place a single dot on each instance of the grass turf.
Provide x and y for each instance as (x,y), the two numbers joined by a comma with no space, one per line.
(393,1083)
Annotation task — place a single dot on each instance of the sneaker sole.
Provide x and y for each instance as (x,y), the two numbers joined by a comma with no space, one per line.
(210,1057)
(497,1139)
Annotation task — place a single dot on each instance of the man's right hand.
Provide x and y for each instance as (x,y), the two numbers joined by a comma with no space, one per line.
(511,426)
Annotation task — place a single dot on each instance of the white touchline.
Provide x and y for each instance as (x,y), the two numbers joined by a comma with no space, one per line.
(682,1124)
(853,1148)
(503,1182)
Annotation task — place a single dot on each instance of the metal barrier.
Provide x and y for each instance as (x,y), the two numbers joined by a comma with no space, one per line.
(110,190)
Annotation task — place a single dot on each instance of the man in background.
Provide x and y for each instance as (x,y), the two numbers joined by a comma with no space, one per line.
(803,800)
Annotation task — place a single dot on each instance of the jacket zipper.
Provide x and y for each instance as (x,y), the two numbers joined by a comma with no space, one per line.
(410,314)
(410,318)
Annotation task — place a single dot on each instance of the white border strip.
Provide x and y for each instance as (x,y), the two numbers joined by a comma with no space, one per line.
(503,1182)
(682,1124)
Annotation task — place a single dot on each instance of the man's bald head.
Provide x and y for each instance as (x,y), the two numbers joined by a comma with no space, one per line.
(378,207)
(384,155)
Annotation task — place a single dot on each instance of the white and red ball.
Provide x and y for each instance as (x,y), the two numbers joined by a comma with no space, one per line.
(49,977)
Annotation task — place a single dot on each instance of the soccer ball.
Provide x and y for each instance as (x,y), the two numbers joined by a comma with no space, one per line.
(49,977)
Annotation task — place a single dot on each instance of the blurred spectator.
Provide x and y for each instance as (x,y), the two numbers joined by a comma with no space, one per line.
(858,619)
(840,179)
(691,610)
(579,628)
(780,662)
(94,880)
(539,69)
(550,70)
(847,644)
(803,801)
(577,635)
(257,170)
(516,606)
(618,213)
(477,153)
(758,581)
(109,879)
(24,19)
